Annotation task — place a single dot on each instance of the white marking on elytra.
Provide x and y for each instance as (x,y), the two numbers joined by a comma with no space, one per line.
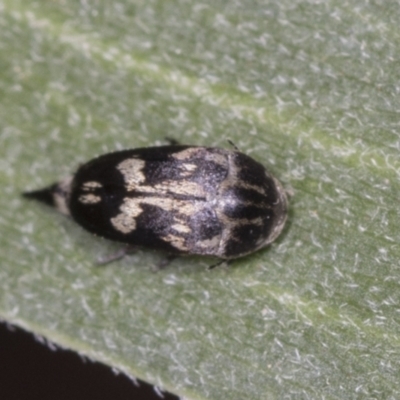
(169,204)
(176,241)
(90,185)
(186,188)
(187,153)
(187,169)
(89,199)
(132,171)
(125,222)
(181,228)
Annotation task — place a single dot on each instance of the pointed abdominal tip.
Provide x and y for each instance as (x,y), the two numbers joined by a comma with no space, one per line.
(45,195)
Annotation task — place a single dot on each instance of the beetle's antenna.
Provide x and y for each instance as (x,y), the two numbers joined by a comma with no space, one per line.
(233,145)
(217,264)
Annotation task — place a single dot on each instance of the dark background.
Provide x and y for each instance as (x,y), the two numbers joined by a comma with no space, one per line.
(30,370)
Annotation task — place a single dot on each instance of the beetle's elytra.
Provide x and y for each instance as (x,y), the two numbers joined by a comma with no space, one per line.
(178,199)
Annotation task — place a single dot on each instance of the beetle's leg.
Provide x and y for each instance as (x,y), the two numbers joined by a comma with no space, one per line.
(233,145)
(220,262)
(121,253)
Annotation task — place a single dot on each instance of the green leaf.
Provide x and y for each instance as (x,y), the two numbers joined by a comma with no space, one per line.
(310,89)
